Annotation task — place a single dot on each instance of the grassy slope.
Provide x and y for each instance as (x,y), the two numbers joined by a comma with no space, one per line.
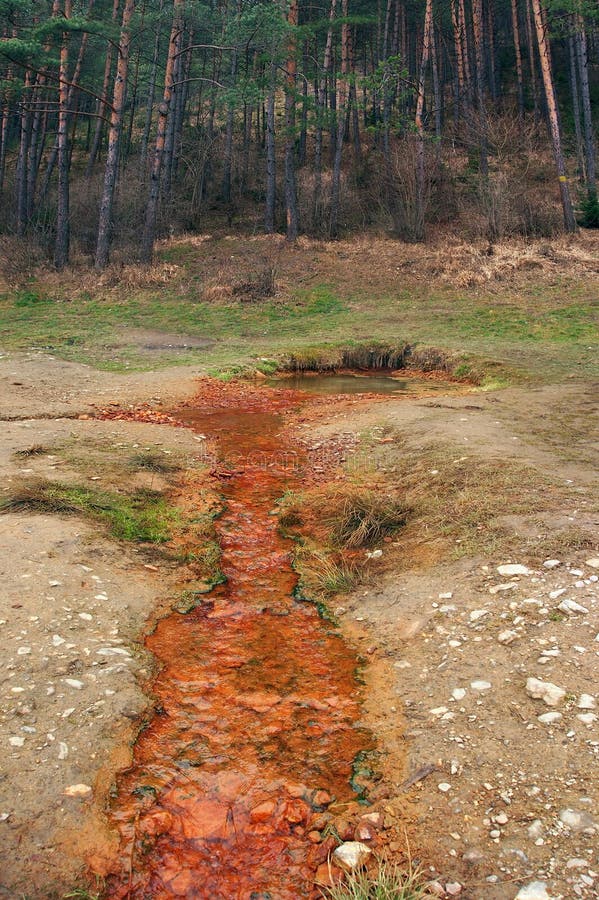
(540,324)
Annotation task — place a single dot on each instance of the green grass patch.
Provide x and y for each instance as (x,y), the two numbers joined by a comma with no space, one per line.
(546,329)
(143,516)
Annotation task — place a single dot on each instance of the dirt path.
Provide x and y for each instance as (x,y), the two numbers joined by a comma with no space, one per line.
(512,799)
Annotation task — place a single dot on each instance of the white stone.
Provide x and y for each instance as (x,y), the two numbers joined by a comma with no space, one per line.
(586,701)
(446,596)
(477,614)
(507,636)
(444,787)
(545,690)
(78,790)
(501,818)
(74,683)
(587,718)
(551,563)
(549,718)
(458,693)
(513,569)
(16,741)
(57,640)
(571,606)
(535,830)
(536,890)
(480,685)
(351,855)
(577,863)
(453,888)
(575,820)
(593,562)
(553,595)
(503,587)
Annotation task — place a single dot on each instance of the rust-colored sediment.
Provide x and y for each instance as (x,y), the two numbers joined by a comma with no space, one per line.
(257,700)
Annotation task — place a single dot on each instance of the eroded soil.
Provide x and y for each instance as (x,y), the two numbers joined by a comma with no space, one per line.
(72,593)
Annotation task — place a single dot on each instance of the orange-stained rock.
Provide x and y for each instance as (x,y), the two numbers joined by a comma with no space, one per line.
(296,790)
(263,811)
(328,875)
(156,823)
(314,837)
(363,833)
(182,884)
(259,702)
(296,811)
(321,798)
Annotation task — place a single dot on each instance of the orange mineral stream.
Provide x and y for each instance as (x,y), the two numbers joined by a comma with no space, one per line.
(257,700)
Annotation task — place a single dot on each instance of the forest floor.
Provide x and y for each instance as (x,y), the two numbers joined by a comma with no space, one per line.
(495,476)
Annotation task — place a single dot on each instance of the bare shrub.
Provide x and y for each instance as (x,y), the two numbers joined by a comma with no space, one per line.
(398,188)
(18,258)
(260,285)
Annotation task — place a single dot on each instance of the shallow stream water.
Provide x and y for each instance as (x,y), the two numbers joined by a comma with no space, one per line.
(257,702)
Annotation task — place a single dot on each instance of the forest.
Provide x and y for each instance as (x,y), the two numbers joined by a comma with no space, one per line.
(123,121)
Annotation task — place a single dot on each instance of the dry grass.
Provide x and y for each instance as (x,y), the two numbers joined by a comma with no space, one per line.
(34,450)
(362,518)
(387,882)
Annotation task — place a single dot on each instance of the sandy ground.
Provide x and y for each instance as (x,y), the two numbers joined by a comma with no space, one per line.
(508,796)
(512,799)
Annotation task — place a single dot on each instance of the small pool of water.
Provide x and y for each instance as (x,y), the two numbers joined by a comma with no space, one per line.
(353,383)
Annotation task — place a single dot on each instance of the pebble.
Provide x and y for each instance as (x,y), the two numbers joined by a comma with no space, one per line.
(536,890)
(506,637)
(480,685)
(571,606)
(444,787)
(351,855)
(477,614)
(458,693)
(587,718)
(16,741)
(453,888)
(586,701)
(593,562)
(513,569)
(74,683)
(551,563)
(78,790)
(576,820)
(549,718)
(545,690)
(535,830)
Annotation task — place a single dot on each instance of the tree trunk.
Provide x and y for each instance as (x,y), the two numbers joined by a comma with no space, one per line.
(145,140)
(587,120)
(62,243)
(102,106)
(576,106)
(477,20)
(321,94)
(114,139)
(290,87)
(341,112)
(531,60)
(545,58)
(147,246)
(271,162)
(420,170)
(518,53)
